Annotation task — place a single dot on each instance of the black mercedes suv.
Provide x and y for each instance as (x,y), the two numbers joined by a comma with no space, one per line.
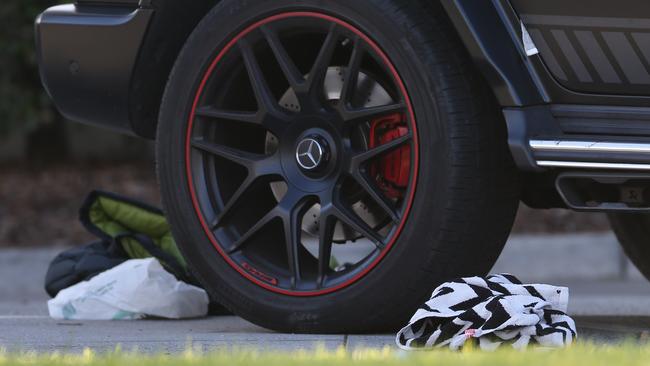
(325,164)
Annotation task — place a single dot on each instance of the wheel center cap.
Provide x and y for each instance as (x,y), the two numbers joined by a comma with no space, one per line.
(312,153)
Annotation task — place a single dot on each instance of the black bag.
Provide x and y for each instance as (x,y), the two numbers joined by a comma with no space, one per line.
(81,264)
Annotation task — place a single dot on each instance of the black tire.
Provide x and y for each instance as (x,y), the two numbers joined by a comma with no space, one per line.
(465,201)
(633,232)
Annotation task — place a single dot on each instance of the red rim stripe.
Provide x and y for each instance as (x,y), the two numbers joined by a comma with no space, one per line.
(190,125)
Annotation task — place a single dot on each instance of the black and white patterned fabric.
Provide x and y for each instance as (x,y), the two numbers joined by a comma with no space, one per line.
(492,311)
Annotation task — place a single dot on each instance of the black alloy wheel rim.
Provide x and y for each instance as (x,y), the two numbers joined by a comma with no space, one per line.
(322,156)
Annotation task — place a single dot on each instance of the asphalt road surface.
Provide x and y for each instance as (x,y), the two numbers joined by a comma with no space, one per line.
(609,300)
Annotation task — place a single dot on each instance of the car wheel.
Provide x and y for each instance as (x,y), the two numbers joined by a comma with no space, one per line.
(633,232)
(324,165)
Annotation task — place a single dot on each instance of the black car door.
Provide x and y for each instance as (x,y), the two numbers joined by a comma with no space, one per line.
(592,46)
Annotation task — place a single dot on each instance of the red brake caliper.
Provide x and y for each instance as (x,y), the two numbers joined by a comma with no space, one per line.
(391,172)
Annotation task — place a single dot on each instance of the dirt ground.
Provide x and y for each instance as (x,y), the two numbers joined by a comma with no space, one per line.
(38,205)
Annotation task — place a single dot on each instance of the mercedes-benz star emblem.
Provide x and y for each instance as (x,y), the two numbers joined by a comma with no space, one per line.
(309,153)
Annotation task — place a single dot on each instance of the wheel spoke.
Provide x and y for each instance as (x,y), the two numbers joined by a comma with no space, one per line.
(351,74)
(376,195)
(241,157)
(235,116)
(268,121)
(360,158)
(259,225)
(325,240)
(292,218)
(234,199)
(357,224)
(289,68)
(265,99)
(368,113)
(317,74)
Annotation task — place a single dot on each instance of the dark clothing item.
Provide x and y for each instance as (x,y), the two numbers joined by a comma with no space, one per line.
(81,264)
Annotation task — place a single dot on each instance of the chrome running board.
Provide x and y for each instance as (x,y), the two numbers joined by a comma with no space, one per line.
(593,146)
(585,154)
(591,165)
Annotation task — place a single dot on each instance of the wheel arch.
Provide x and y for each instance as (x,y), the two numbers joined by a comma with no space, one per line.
(171,25)
(492,36)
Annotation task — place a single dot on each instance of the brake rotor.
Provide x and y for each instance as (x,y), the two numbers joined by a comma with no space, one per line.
(373,95)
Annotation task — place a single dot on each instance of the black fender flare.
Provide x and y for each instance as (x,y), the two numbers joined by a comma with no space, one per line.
(491,34)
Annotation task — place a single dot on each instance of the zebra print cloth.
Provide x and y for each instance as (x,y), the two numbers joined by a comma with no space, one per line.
(492,311)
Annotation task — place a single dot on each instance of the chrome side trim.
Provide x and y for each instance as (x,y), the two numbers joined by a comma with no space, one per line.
(591,165)
(589,146)
(589,22)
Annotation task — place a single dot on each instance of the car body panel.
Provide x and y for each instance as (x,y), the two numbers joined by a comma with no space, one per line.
(106,63)
(85,77)
(124,66)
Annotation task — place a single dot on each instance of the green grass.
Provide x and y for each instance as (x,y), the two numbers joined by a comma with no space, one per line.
(581,354)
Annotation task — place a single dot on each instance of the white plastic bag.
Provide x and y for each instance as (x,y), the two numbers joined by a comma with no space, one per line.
(132,290)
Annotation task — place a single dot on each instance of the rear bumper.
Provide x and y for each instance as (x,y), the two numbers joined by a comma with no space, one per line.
(87,55)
